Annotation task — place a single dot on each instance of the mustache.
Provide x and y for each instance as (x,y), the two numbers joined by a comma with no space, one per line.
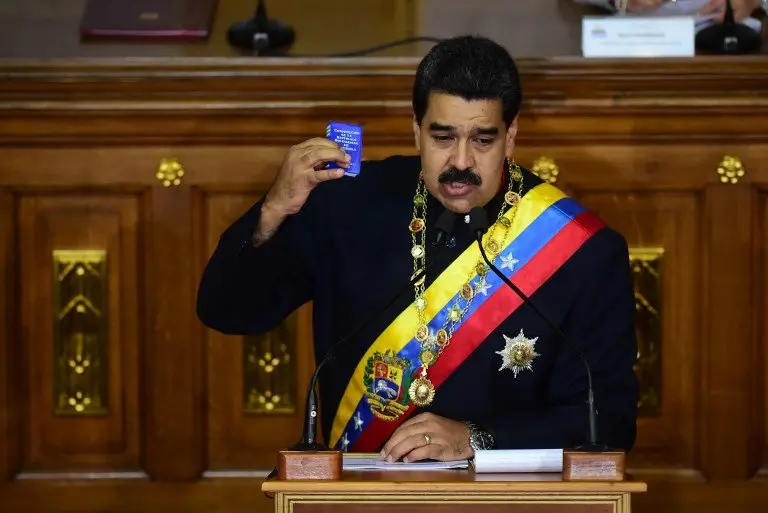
(466,176)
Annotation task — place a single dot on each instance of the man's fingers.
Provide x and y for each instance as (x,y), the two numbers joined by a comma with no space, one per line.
(426,452)
(402,433)
(406,446)
(316,141)
(326,174)
(317,155)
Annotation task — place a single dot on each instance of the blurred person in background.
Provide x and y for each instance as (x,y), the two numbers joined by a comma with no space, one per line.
(705,10)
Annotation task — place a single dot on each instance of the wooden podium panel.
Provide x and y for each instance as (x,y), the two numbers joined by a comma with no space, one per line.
(450,491)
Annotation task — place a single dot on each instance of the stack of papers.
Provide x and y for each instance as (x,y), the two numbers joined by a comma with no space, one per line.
(518,460)
(364,461)
(522,461)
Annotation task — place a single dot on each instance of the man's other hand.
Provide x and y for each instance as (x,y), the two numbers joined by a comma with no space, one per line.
(428,436)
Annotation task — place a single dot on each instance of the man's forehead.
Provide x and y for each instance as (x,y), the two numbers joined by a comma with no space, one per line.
(456,112)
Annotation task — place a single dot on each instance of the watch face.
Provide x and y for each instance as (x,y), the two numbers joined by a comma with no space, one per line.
(480,441)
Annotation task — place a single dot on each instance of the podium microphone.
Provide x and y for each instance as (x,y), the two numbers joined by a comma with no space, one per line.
(728,37)
(592,449)
(260,33)
(308,459)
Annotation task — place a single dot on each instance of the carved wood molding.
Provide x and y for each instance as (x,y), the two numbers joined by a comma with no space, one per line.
(240,100)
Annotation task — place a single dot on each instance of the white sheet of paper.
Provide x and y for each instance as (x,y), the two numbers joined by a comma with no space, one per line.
(363,461)
(638,36)
(502,461)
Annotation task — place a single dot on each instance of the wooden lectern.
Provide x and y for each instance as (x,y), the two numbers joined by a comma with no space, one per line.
(450,491)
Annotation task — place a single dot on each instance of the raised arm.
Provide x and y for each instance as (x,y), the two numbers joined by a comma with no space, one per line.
(263,266)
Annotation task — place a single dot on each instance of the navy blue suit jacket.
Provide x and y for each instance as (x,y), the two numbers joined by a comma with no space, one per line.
(348,251)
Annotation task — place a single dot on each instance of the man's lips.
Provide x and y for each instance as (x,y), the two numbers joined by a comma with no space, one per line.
(456,189)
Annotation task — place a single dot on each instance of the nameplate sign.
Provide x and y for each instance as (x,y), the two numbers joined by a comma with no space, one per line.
(638,36)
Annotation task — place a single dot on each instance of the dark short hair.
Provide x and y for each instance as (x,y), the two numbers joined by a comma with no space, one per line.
(471,67)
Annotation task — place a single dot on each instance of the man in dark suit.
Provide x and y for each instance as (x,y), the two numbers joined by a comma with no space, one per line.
(459,362)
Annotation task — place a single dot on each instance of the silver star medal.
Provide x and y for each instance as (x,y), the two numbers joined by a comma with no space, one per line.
(518,353)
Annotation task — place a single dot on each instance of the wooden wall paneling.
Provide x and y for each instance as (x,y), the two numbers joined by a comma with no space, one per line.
(78,259)
(172,374)
(11,386)
(727,342)
(761,304)
(757,390)
(174,386)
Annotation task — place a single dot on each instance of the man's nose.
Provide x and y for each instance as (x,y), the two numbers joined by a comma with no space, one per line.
(463,157)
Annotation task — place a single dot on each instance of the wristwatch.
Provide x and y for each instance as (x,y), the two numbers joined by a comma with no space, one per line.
(479,439)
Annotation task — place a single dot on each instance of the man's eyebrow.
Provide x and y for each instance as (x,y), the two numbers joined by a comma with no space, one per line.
(438,127)
(487,131)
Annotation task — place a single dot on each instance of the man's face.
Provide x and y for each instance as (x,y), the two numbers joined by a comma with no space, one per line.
(463,145)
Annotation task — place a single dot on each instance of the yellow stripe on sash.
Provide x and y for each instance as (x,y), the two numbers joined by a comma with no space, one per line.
(402,330)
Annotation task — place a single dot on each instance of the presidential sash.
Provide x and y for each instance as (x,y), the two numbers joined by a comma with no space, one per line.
(547,229)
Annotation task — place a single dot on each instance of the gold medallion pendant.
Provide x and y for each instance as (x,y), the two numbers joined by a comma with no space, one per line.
(422,391)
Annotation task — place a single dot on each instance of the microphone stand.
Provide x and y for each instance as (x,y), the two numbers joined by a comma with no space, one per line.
(592,460)
(728,37)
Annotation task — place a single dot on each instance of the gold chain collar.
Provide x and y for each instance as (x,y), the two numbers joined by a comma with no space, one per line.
(422,391)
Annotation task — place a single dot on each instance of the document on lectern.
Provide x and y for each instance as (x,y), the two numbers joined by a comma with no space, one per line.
(372,461)
(502,461)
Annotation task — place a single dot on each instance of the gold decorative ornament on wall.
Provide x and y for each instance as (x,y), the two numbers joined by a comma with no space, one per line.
(269,371)
(170,172)
(646,264)
(80,331)
(546,169)
(730,169)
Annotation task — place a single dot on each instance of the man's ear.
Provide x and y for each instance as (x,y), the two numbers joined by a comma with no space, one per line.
(416,133)
(511,134)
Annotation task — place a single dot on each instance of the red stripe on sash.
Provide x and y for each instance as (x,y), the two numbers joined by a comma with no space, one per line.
(487,318)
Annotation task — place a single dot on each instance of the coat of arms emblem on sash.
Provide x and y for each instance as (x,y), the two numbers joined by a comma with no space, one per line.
(386,382)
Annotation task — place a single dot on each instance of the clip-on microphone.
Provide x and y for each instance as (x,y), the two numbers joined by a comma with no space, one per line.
(728,37)
(308,459)
(592,460)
